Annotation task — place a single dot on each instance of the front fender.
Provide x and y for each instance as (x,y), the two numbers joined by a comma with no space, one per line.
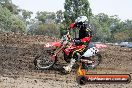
(52,44)
(57,44)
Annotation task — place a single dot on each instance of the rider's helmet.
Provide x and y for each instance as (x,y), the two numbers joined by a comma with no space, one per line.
(80,22)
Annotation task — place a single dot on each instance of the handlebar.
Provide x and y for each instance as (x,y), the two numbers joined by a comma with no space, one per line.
(66,38)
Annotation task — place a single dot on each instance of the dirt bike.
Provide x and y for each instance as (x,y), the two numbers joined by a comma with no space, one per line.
(53,49)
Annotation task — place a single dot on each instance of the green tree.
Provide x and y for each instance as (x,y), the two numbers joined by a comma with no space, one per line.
(26,14)
(75,8)
(5,19)
(10,6)
(45,29)
(59,16)
(46,17)
(10,22)
(128,24)
(17,25)
(111,28)
(34,24)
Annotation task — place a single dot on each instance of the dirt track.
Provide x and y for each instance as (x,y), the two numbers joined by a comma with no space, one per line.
(17,53)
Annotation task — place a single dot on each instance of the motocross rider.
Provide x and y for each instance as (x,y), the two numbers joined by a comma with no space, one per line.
(82,42)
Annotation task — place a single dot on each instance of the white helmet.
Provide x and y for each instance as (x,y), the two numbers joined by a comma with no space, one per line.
(81,19)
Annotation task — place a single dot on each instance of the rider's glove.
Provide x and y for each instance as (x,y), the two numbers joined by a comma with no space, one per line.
(77,42)
(72,25)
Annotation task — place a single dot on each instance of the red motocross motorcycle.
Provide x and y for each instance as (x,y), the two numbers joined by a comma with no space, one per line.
(91,58)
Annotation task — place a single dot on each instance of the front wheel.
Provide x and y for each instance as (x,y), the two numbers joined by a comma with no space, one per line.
(45,61)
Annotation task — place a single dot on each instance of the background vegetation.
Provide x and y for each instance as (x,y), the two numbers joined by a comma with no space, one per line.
(106,28)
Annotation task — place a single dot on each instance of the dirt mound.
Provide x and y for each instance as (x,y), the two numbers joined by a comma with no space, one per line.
(17,52)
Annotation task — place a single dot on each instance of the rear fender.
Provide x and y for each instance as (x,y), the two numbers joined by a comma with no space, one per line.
(100,46)
(90,52)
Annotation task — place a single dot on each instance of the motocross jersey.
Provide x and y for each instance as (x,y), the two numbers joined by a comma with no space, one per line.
(85,33)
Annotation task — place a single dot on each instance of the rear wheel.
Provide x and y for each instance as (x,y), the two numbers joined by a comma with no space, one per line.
(95,60)
(45,61)
(81,80)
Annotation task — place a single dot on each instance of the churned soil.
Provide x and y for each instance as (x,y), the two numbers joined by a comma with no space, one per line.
(17,53)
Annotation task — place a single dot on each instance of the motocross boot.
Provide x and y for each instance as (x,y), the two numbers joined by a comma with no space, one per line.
(68,68)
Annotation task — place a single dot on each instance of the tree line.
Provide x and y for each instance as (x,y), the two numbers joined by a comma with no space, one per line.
(105,28)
